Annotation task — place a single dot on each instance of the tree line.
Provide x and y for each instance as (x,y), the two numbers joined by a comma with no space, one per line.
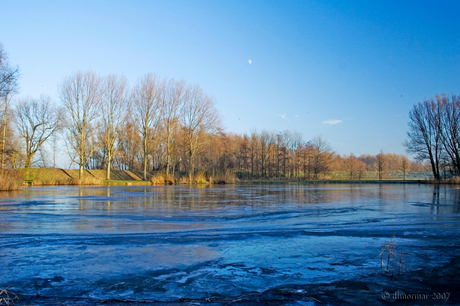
(159,125)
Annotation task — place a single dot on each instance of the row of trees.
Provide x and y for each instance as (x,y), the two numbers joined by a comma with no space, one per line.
(106,117)
(434,133)
(158,125)
(102,118)
(258,155)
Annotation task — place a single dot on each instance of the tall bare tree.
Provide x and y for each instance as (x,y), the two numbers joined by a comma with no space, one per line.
(425,134)
(115,107)
(173,102)
(450,128)
(200,119)
(8,88)
(36,121)
(80,95)
(148,108)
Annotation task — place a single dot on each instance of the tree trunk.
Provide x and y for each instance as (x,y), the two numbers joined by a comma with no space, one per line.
(80,173)
(109,164)
(145,157)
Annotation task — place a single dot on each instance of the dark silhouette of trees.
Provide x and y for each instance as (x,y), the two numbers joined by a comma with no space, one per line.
(434,133)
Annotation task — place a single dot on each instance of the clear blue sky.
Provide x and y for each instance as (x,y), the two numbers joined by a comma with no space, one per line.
(358,64)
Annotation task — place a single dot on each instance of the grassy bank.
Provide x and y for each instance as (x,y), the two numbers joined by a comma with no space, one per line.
(54,176)
(16,179)
(336,181)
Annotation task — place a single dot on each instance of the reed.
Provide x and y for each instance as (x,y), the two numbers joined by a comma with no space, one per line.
(388,258)
(7,297)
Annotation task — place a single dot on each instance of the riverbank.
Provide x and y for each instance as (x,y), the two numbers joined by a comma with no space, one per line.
(16,179)
(337,181)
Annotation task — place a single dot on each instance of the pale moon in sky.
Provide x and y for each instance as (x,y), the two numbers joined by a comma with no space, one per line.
(249,61)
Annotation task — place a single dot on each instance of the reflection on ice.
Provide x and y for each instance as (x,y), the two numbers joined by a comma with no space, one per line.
(170,242)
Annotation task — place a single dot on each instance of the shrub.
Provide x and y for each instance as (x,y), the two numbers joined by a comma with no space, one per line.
(170,180)
(10,180)
(200,178)
(184,180)
(157,179)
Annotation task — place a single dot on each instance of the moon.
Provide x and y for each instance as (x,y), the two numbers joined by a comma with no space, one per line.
(249,61)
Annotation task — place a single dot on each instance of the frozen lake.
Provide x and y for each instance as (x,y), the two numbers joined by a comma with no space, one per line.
(299,244)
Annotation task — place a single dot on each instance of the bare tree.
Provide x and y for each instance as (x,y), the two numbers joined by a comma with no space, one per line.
(8,88)
(173,102)
(425,134)
(296,147)
(80,95)
(115,106)
(380,163)
(200,119)
(450,129)
(130,149)
(36,121)
(405,165)
(322,155)
(148,109)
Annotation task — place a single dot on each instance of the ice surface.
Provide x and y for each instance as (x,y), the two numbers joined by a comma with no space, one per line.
(165,243)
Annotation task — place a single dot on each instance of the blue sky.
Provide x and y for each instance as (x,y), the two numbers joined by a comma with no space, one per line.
(349,71)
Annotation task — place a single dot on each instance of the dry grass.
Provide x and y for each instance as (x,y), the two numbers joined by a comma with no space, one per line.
(86,180)
(453,180)
(158,179)
(227,178)
(5,298)
(46,174)
(388,257)
(200,178)
(10,180)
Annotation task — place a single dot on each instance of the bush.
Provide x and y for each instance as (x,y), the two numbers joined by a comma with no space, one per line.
(10,180)
(200,178)
(157,179)
(170,180)
(227,178)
